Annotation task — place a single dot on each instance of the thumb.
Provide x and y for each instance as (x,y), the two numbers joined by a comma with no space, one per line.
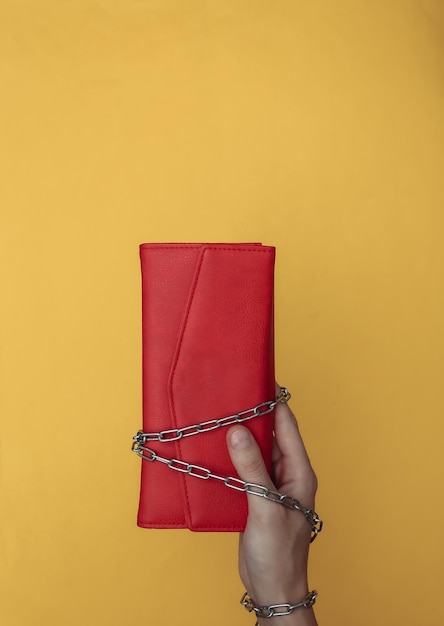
(247,458)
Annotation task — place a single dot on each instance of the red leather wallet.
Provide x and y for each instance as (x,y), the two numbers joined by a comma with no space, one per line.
(208,353)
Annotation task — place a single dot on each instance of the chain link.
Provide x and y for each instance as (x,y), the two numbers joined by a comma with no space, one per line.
(147,454)
(276,610)
(174,434)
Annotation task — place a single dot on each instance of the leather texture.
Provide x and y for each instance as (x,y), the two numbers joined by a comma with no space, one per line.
(208,352)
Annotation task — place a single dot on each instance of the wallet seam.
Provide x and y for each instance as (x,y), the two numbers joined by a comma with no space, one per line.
(267,249)
(174,367)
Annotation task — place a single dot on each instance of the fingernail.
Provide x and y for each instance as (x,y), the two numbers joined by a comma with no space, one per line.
(240,438)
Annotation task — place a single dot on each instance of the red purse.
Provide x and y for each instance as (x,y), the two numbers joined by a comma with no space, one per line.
(208,362)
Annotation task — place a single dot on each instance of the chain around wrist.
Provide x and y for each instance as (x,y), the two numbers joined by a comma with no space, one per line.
(277,610)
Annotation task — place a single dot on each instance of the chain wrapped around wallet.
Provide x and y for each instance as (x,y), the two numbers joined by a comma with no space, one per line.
(197,471)
(208,349)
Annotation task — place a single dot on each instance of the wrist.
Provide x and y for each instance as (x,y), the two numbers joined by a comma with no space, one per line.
(305,617)
(279,594)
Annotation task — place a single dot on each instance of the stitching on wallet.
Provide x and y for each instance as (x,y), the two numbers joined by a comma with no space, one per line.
(241,249)
(204,248)
(167,524)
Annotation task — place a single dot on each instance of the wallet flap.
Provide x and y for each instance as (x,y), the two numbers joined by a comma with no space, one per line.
(223,364)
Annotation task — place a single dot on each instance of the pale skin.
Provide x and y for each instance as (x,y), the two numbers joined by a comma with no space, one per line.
(273,550)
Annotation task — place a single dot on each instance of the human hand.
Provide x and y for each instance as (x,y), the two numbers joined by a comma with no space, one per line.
(273,550)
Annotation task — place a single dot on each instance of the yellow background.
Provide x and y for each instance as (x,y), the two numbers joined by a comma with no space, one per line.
(314,126)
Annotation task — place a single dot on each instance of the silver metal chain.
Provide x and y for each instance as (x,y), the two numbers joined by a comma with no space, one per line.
(174,434)
(197,471)
(277,610)
(235,483)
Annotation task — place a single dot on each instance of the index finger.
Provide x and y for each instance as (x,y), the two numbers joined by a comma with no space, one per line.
(288,438)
